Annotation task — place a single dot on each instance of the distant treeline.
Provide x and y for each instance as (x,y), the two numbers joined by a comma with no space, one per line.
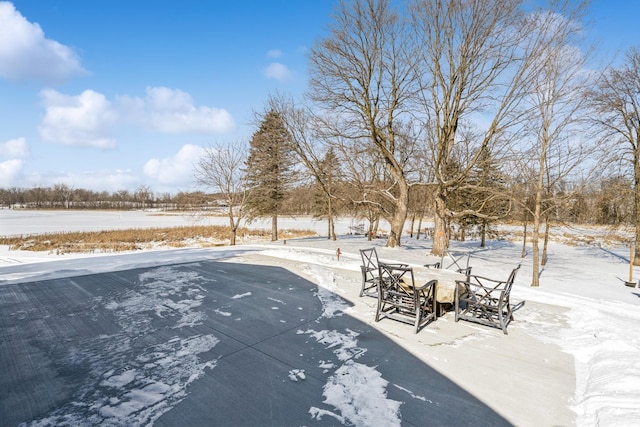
(62,196)
(607,202)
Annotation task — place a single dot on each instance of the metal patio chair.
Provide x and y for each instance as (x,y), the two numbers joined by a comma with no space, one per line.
(485,301)
(400,299)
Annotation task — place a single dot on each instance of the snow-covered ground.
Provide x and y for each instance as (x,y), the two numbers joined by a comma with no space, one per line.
(584,277)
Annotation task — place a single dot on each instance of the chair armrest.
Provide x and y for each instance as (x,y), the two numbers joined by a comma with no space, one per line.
(474,279)
(429,284)
(402,267)
(475,287)
(467,285)
(396,265)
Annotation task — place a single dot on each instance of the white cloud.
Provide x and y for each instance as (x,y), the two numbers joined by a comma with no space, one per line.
(83,120)
(9,171)
(172,111)
(274,53)
(14,148)
(177,169)
(277,71)
(13,151)
(26,54)
(89,119)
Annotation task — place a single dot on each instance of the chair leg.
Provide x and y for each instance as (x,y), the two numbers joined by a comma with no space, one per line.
(364,280)
(418,314)
(379,306)
(509,311)
(501,320)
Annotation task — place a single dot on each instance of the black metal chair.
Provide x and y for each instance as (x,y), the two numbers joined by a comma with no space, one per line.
(485,301)
(370,271)
(400,299)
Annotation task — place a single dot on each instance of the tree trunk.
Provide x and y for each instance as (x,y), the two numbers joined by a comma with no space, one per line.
(413,223)
(397,223)
(233,226)
(400,215)
(441,230)
(483,234)
(331,232)
(535,236)
(524,239)
(546,241)
(274,228)
(535,279)
(636,206)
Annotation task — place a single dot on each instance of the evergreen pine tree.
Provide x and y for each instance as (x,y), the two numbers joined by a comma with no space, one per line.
(270,169)
(486,195)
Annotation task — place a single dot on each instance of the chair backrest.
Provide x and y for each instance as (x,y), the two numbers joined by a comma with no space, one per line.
(396,278)
(454,260)
(369,259)
(512,278)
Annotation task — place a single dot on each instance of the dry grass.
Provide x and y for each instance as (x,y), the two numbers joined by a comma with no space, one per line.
(579,235)
(137,239)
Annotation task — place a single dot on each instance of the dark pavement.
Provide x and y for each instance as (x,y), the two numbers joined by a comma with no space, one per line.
(204,344)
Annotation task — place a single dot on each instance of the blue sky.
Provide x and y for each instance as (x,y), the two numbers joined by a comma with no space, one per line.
(116,94)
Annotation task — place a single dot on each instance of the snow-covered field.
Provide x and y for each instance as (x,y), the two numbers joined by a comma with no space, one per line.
(584,277)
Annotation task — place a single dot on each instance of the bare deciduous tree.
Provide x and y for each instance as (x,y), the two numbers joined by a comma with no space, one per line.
(476,64)
(64,192)
(366,184)
(220,169)
(552,122)
(144,195)
(363,73)
(615,101)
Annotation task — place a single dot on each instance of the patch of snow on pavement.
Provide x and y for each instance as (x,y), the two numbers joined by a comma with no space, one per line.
(123,389)
(356,391)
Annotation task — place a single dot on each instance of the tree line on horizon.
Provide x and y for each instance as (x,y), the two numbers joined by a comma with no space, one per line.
(606,202)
